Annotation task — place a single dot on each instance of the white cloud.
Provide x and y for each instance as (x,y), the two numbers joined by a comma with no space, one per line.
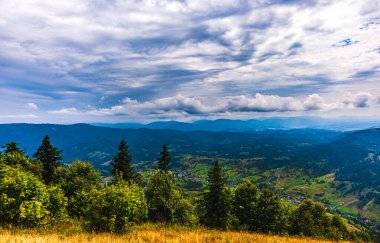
(236,104)
(65,111)
(173,55)
(359,100)
(32,106)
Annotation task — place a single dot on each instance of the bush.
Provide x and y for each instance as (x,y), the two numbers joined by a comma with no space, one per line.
(25,200)
(57,204)
(311,219)
(166,203)
(246,205)
(76,181)
(17,159)
(272,215)
(116,207)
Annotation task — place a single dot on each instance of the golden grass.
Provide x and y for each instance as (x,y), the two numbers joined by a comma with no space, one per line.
(151,235)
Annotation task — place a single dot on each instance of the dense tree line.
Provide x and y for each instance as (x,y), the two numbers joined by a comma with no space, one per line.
(38,191)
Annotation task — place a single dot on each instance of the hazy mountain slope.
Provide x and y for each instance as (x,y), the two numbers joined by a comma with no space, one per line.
(98,144)
(341,124)
(353,157)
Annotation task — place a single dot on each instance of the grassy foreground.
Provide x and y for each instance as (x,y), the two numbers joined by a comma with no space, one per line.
(151,235)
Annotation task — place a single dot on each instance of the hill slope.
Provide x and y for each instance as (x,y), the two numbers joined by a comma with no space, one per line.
(99,144)
(291,161)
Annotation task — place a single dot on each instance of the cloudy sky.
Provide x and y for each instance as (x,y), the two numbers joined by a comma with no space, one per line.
(126,61)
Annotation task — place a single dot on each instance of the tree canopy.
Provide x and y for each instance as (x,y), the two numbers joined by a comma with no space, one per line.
(217,200)
(50,157)
(77,192)
(122,164)
(164,160)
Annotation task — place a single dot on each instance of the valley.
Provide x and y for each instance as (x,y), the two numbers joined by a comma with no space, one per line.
(339,169)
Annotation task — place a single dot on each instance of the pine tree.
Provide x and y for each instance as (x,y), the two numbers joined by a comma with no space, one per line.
(12,147)
(164,160)
(122,164)
(50,157)
(217,200)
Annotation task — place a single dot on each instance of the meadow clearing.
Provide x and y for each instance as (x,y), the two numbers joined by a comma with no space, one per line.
(151,235)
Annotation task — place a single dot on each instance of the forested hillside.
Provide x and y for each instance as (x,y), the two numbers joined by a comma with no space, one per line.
(39,192)
(97,144)
(339,169)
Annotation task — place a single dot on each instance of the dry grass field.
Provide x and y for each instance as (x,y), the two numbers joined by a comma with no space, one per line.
(150,235)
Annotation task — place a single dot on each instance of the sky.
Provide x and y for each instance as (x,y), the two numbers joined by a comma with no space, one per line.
(139,61)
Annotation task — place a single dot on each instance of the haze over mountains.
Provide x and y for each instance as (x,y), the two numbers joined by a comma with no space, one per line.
(340,124)
(99,144)
(329,150)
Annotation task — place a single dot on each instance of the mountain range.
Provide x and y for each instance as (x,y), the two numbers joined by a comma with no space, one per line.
(341,124)
(294,157)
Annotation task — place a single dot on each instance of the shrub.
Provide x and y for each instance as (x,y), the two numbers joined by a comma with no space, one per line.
(272,215)
(245,205)
(116,207)
(76,181)
(57,204)
(311,219)
(25,200)
(19,160)
(166,203)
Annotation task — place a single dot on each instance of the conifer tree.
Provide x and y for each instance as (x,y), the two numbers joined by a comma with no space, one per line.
(164,160)
(50,157)
(12,147)
(122,164)
(217,200)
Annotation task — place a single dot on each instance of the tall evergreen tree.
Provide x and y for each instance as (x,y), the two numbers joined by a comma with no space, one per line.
(12,147)
(164,160)
(217,200)
(122,163)
(50,157)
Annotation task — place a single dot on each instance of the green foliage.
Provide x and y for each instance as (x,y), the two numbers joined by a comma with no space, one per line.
(76,181)
(245,205)
(57,204)
(164,160)
(26,201)
(122,164)
(184,213)
(116,207)
(75,190)
(12,147)
(50,157)
(166,202)
(33,213)
(311,219)
(271,213)
(19,160)
(217,200)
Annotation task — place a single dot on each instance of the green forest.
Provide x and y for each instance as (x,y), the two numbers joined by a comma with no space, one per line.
(39,192)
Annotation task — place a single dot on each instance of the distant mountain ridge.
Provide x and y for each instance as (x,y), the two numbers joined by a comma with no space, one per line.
(341,124)
(99,144)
